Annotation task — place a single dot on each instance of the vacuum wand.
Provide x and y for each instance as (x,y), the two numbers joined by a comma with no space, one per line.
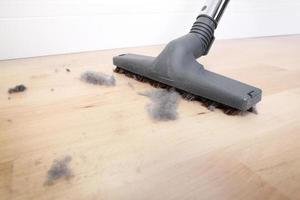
(214,9)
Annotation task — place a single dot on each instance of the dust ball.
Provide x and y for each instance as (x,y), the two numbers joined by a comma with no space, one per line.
(213,106)
(98,78)
(16,89)
(59,169)
(254,110)
(164,103)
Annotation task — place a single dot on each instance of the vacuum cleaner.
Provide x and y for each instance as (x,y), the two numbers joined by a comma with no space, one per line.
(176,66)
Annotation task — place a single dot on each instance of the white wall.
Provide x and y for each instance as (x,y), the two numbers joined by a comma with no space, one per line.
(43,27)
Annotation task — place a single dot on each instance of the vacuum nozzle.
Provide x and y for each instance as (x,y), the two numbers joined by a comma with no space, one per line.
(177,65)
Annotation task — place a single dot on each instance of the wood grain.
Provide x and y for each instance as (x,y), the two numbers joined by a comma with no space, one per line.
(119,153)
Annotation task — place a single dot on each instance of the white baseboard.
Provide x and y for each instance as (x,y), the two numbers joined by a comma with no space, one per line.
(94,26)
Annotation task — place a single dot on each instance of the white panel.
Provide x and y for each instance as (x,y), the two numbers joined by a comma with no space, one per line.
(43,27)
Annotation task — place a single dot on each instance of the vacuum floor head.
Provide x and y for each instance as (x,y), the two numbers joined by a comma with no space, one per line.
(177,67)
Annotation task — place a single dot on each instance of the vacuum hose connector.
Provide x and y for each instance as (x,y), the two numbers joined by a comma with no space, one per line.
(207,22)
(204,28)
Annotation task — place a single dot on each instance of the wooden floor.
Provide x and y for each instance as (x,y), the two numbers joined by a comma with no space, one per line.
(119,153)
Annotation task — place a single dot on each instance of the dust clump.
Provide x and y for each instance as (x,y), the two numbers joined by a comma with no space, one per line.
(98,78)
(254,110)
(164,103)
(59,169)
(213,106)
(68,70)
(16,89)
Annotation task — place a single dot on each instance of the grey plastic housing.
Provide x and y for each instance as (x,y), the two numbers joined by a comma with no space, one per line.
(177,66)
